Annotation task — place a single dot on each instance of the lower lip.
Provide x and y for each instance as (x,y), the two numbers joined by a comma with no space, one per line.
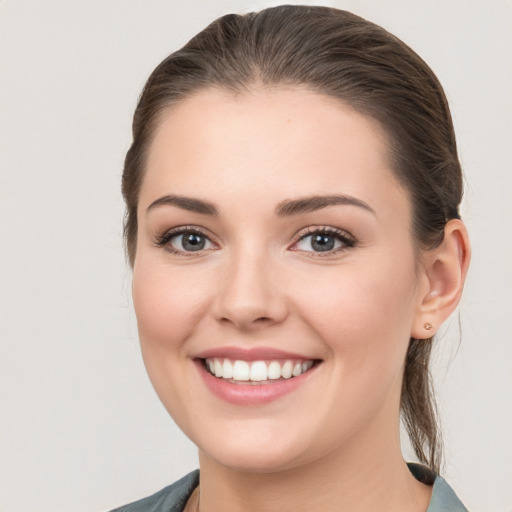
(251,394)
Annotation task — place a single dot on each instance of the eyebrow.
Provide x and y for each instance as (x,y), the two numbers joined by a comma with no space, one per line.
(285,208)
(313,203)
(186,203)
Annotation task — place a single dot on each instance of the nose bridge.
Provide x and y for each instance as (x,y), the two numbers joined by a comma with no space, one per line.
(248,295)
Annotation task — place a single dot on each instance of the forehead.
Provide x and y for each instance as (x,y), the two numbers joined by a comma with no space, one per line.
(289,141)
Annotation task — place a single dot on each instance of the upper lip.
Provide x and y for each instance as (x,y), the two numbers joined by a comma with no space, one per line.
(250,354)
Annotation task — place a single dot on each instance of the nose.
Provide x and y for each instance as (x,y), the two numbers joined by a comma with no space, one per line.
(249,297)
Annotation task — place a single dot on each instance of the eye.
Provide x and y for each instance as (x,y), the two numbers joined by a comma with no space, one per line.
(184,241)
(189,242)
(324,241)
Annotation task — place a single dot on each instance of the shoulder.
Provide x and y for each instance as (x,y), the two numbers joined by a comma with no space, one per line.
(170,499)
(443,498)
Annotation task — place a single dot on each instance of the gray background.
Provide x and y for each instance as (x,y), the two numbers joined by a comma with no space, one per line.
(81,429)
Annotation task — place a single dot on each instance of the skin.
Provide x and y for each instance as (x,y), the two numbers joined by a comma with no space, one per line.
(258,283)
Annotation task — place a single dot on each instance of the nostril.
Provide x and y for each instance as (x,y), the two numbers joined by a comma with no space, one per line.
(263,319)
(248,323)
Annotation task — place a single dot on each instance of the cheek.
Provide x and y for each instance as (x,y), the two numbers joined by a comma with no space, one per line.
(359,299)
(168,305)
(364,312)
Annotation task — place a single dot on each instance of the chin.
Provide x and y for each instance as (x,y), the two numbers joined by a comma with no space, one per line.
(254,460)
(267,449)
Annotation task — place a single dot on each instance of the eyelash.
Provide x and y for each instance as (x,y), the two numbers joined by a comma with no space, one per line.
(163,241)
(346,240)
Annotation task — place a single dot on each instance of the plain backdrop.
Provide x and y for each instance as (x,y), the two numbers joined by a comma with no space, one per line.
(81,428)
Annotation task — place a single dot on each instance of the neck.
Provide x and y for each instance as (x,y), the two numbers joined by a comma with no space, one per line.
(372,478)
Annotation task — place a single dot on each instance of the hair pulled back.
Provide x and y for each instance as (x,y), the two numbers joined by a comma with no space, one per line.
(337,54)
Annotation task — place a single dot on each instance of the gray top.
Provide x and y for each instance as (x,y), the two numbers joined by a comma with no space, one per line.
(174,497)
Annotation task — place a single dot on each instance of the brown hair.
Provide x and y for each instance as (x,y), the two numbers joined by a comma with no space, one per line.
(340,55)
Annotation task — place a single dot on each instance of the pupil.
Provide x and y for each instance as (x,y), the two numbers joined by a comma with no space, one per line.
(193,242)
(322,243)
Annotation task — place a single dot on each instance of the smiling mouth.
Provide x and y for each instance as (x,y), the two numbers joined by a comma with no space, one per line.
(256,372)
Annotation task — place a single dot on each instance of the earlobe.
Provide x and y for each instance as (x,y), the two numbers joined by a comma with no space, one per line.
(445,268)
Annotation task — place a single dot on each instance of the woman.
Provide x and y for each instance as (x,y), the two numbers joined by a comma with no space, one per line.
(292,197)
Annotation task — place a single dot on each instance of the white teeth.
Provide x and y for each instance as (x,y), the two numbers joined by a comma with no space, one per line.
(217,364)
(256,371)
(306,366)
(241,370)
(286,370)
(274,370)
(227,369)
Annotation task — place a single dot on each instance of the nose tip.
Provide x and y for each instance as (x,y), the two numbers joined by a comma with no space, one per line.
(246,319)
(250,300)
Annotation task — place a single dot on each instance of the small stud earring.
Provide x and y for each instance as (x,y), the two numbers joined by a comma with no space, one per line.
(428,326)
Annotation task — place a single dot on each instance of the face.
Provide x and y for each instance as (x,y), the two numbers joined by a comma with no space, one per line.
(275,281)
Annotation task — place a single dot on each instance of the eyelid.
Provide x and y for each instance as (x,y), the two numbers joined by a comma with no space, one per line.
(164,239)
(346,238)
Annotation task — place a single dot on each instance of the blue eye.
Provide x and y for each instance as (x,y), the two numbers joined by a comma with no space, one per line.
(184,241)
(323,241)
(189,242)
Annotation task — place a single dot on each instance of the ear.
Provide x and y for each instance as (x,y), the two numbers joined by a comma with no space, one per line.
(444,270)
